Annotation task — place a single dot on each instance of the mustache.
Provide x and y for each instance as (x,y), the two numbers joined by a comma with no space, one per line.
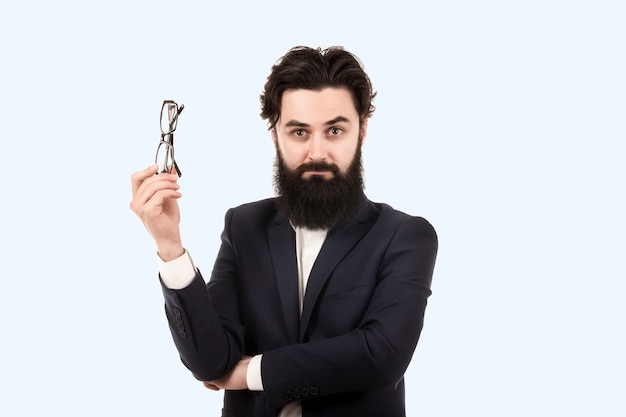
(317,166)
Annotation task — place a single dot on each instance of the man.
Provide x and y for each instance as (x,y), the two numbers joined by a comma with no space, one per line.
(316,300)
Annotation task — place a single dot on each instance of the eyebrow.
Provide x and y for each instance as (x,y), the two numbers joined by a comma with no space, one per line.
(338,119)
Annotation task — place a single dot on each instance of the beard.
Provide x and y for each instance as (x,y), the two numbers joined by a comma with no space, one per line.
(317,203)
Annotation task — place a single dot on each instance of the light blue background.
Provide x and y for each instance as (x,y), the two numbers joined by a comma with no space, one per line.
(502,122)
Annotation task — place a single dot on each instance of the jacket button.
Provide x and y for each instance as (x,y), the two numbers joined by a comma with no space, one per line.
(182,334)
(296,394)
(305,392)
(288,395)
(314,391)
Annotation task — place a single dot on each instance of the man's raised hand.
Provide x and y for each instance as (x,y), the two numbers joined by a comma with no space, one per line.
(155,203)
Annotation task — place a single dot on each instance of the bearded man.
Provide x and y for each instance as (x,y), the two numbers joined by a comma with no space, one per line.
(316,300)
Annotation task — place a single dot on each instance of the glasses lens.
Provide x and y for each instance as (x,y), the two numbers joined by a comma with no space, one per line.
(169,117)
(163,157)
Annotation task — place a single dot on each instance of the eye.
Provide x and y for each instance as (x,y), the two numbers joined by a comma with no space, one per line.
(335,131)
(299,133)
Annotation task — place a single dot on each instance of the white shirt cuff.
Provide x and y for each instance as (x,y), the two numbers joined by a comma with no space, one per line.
(253,374)
(177,273)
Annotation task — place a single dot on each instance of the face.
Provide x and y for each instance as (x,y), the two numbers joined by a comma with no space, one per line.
(318,175)
(317,128)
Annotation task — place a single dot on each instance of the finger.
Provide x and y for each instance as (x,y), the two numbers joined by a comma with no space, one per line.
(149,186)
(154,205)
(211,386)
(152,196)
(138,177)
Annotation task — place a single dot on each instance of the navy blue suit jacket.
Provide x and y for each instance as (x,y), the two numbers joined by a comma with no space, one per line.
(363,311)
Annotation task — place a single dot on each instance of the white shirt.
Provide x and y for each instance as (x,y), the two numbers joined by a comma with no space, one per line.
(179,273)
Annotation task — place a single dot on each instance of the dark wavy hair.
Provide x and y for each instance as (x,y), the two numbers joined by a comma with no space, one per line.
(308,68)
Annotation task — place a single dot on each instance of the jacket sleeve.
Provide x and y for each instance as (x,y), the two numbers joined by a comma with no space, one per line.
(209,344)
(376,353)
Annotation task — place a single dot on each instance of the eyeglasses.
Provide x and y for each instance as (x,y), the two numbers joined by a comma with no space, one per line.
(165,152)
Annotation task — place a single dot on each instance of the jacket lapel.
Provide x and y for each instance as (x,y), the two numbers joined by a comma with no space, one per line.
(282,242)
(337,245)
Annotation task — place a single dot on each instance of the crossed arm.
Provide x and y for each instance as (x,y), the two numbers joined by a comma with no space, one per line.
(375,354)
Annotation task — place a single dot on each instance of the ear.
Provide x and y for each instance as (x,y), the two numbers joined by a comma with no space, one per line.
(273,135)
(363,131)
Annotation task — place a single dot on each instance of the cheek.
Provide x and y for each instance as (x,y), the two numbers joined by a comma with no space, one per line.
(344,156)
(293,155)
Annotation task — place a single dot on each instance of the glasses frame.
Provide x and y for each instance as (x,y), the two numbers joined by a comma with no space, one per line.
(167,136)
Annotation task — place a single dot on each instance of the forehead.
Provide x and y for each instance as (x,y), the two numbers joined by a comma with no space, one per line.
(317,106)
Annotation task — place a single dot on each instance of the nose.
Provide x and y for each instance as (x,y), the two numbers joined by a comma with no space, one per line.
(317,148)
